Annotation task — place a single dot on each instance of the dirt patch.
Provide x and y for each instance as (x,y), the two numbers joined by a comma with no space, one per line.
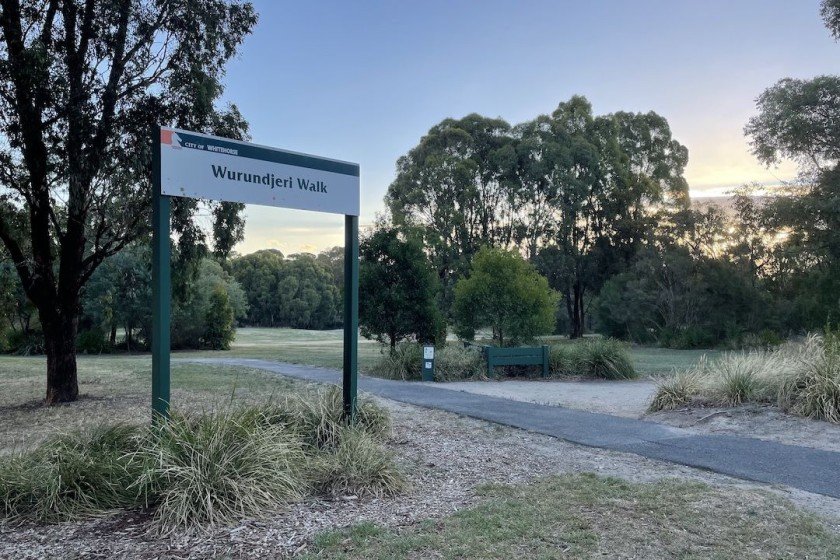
(762,422)
(446,456)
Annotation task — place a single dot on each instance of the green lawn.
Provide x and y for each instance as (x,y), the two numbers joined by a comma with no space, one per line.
(324,348)
(118,389)
(317,348)
(661,361)
(585,516)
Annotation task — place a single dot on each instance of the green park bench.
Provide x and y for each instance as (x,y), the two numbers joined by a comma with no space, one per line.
(527,356)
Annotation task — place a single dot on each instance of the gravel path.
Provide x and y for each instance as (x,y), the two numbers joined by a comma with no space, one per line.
(809,469)
(629,399)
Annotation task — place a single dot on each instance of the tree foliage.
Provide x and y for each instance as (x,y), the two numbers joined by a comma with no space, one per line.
(456,186)
(830,12)
(82,86)
(572,190)
(219,328)
(683,301)
(397,290)
(506,293)
(297,291)
(798,120)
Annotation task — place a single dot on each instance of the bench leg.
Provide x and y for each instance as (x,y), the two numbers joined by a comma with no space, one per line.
(545,360)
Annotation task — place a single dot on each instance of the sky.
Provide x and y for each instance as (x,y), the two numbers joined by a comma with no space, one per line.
(364,81)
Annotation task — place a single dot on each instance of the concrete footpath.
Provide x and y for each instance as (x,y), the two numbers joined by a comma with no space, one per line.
(811,470)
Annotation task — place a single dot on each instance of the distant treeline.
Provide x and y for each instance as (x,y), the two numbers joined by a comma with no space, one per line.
(209,299)
(599,204)
(302,291)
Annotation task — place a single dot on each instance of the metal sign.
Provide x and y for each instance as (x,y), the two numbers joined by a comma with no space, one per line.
(428,363)
(202,166)
(196,165)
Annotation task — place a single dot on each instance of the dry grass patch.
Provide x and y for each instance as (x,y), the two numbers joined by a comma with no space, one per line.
(586,516)
(802,378)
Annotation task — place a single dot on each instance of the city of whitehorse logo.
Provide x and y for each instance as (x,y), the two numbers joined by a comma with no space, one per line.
(170,138)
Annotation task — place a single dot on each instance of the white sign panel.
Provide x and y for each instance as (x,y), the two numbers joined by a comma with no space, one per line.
(202,166)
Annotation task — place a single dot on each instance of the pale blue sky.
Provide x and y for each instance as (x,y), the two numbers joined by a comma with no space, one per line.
(363,81)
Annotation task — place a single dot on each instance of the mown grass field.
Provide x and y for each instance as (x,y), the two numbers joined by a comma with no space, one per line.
(324,348)
(118,389)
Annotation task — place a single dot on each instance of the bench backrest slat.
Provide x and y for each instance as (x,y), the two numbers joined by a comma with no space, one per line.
(529,356)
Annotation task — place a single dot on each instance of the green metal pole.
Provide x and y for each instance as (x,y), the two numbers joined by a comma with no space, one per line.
(351,314)
(161,290)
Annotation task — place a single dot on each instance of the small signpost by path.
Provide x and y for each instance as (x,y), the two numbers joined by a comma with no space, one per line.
(197,165)
(429,363)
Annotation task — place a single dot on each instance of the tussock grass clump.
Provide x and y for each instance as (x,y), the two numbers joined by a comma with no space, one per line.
(740,378)
(452,362)
(357,465)
(802,378)
(599,358)
(404,361)
(319,421)
(561,359)
(216,468)
(198,471)
(675,392)
(72,476)
(813,388)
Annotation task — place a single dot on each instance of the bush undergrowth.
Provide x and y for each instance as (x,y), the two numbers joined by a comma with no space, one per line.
(452,363)
(198,471)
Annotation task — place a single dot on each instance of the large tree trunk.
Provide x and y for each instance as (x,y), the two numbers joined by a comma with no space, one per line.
(60,346)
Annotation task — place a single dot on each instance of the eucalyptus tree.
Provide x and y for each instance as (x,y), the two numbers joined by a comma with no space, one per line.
(799,120)
(830,12)
(82,86)
(456,186)
(600,177)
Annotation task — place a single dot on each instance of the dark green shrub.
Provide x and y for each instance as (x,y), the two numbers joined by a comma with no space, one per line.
(762,340)
(26,343)
(507,294)
(687,338)
(219,330)
(92,342)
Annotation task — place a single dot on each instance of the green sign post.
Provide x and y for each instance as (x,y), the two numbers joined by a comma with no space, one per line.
(197,165)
